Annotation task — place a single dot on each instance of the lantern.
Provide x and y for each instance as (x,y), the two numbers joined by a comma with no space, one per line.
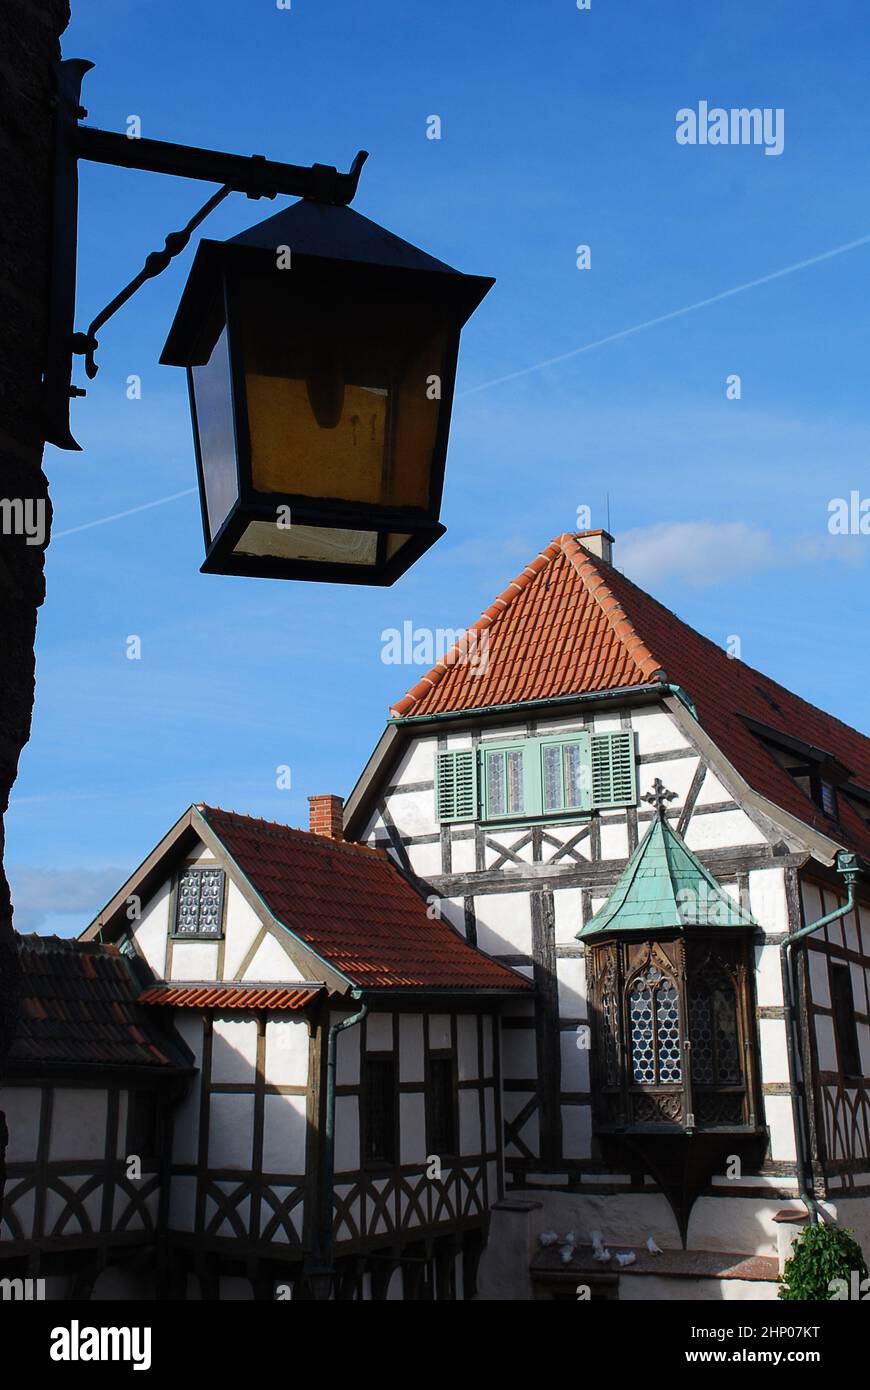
(321,357)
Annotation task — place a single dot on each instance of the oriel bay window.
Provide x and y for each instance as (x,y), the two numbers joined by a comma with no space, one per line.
(669,971)
(672,1031)
(525,779)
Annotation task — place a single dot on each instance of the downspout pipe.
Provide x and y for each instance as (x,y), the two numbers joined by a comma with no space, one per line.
(321,1274)
(847,865)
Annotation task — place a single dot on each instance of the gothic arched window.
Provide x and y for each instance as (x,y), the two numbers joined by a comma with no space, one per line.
(713,1027)
(654,1028)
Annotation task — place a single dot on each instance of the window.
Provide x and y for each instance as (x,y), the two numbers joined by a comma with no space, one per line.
(845,1027)
(379,1109)
(565,781)
(199,903)
(828,799)
(713,1028)
(441,1107)
(537,777)
(142,1121)
(654,1022)
(503,780)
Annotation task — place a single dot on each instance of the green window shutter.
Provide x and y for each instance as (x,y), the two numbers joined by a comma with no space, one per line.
(614,775)
(456,785)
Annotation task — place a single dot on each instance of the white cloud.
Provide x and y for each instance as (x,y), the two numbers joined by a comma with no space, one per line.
(709,552)
(39,894)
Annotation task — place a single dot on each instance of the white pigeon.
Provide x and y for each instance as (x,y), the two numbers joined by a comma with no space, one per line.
(652,1247)
(566,1254)
(548,1238)
(569,1238)
(596,1240)
(626,1257)
(601,1254)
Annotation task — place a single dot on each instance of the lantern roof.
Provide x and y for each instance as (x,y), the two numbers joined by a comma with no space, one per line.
(337,234)
(665,887)
(318,235)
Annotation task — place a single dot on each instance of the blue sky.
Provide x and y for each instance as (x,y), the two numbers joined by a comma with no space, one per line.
(558,128)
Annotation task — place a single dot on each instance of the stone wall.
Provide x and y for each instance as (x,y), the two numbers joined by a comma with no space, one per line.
(29,46)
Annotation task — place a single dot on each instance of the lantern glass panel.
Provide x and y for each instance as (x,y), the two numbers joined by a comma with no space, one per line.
(211,384)
(338,387)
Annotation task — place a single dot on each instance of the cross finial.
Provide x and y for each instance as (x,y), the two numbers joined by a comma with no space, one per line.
(659,797)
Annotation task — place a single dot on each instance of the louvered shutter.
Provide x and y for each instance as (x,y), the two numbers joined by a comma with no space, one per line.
(614,777)
(456,785)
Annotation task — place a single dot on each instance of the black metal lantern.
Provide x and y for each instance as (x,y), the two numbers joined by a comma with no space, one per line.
(321,358)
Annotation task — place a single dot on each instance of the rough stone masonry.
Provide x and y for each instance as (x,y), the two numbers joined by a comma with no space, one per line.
(29,47)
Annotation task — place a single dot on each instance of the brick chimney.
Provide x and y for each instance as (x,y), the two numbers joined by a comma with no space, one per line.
(326,816)
(598,543)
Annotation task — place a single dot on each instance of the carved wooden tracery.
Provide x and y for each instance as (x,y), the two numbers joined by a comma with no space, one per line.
(672,1033)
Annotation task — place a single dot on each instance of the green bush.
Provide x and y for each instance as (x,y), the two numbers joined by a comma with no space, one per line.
(819,1255)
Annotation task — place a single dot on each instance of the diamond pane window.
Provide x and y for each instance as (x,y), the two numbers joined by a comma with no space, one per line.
(200,900)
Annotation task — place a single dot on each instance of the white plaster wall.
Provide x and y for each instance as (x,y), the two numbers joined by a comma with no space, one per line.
(182,1204)
(284,1135)
(194,960)
(231,1130)
(22,1105)
(722,830)
(379,1032)
(466,1035)
(417,763)
(767,900)
(469,1122)
(656,731)
(241,928)
(614,839)
(287,1049)
(185,1141)
(347,1155)
(271,962)
(425,860)
(234,1048)
(440,1031)
(78,1123)
(412,1121)
(518,1054)
(504,923)
(411,1047)
(347,1054)
(413,813)
(571,975)
(575,1062)
(150,932)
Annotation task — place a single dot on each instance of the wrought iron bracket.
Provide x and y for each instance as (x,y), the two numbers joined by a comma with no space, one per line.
(252,175)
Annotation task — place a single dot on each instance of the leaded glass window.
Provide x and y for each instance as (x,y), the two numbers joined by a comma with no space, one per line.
(199,905)
(713,1028)
(565,777)
(504,782)
(654,1024)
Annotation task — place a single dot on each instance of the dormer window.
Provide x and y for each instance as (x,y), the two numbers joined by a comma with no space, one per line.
(199,903)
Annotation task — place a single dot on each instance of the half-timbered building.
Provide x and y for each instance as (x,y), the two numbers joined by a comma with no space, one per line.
(618,809)
(580,970)
(318,1050)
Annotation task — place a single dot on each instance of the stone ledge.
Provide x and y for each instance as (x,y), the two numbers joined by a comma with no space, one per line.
(672,1264)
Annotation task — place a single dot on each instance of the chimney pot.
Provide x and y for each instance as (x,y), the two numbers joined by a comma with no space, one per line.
(598,543)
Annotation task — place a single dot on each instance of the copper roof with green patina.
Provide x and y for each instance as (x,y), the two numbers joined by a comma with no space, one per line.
(665,887)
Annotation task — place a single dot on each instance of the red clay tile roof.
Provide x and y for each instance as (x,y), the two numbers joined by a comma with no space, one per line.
(208,996)
(571,624)
(352,907)
(79,1007)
